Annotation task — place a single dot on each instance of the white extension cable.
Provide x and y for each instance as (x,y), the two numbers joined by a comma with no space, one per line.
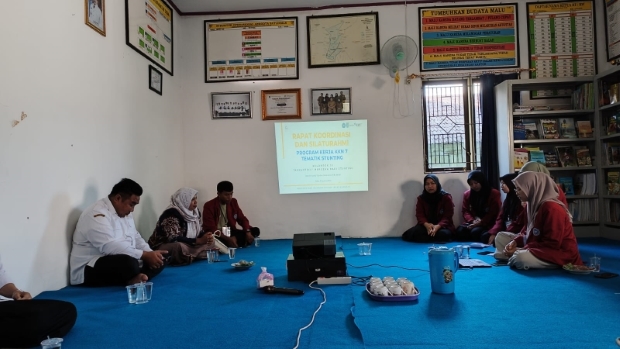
(313,315)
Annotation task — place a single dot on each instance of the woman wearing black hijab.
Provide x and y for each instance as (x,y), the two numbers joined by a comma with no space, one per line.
(481,205)
(434,211)
(511,217)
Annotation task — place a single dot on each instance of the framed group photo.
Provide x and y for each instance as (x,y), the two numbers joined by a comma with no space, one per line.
(330,100)
(94,15)
(281,104)
(231,105)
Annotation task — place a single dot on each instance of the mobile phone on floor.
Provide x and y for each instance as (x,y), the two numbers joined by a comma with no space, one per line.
(486,252)
(605,275)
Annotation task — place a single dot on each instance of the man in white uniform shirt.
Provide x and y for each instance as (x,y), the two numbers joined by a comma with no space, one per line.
(25,322)
(107,248)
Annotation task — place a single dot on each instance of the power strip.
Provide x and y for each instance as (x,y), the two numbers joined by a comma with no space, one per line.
(337,280)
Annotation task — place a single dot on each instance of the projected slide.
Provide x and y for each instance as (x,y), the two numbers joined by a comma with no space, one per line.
(322,156)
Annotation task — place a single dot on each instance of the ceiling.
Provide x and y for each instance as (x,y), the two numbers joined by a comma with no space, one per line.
(206,7)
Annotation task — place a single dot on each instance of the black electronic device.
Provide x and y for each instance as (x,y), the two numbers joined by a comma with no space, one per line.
(311,269)
(314,245)
(283,290)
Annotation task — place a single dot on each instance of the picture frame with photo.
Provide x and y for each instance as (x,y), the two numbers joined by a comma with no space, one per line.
(94,15)
(281,104)
(156,80)
(330,101)
(231,105)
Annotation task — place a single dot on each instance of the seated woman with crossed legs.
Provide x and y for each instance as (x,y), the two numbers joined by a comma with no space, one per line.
(549,240)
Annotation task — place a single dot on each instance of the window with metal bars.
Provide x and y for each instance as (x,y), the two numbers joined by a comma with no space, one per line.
(452,125)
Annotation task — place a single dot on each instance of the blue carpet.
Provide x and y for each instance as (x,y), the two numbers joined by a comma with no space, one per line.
(214,305)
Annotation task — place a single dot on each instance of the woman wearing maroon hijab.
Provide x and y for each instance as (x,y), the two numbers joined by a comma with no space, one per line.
(434,211)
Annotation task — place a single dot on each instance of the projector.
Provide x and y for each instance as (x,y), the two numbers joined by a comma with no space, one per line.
(314,246)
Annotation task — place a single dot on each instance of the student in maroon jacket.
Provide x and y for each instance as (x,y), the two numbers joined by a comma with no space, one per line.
(434,211)
(224,211)
(549,239)
(481,205)
(511,217)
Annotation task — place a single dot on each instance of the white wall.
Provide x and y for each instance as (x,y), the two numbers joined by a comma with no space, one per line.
(91,121)
(243,151)
(81,137)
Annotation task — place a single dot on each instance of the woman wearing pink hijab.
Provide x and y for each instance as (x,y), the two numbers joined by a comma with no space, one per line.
(549,240)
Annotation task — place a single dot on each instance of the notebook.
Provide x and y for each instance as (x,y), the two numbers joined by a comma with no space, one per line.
(473,263)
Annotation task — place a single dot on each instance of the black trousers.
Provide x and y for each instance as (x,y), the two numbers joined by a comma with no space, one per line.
(25,324)
(240,235)
(420,234)
(476,234)
(116,269)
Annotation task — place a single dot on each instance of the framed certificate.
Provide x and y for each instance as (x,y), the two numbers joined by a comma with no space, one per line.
(281,104)
(341,40)
(155,80)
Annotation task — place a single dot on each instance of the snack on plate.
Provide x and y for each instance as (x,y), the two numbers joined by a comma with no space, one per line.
(244,263)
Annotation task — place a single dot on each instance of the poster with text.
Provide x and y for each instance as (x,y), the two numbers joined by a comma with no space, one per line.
(561,42)
(612,28)
(322,156)
(469,37)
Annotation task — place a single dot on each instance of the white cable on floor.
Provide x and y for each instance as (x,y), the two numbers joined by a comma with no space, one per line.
(313,315)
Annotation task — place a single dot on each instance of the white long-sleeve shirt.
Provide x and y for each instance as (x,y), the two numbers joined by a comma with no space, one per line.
(4,279)
(100,232)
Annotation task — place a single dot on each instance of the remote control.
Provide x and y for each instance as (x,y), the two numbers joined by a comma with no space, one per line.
(283,290)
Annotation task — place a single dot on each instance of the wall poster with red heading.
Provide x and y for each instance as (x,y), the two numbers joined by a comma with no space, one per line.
(469,37)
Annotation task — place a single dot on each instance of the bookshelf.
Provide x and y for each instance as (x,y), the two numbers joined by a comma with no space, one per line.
(555,119)
(608,112)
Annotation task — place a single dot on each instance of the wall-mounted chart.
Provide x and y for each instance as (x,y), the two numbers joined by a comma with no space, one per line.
(469,37)
(562,42)
(148,26)
(251,49)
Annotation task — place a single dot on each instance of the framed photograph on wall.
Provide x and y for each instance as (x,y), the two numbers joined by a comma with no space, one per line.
(281,104)
(231,105)
(148,30)
(156,80)
(342,40)
(330,100)
(94,15)
(251,49)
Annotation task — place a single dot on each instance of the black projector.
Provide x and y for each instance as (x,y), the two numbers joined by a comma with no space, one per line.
(314,246)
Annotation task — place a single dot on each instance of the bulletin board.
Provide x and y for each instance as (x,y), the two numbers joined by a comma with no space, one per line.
(148,29)
(251,49)
(469,37)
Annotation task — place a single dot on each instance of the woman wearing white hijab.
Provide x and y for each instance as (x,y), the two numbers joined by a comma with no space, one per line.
(549,240)
(179,229)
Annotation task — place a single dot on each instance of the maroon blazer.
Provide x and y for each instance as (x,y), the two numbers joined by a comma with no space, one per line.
(445,211)
(211,215)
(515,225)
(488,217)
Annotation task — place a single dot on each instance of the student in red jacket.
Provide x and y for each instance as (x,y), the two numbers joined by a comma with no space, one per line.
(510,218)
(481,205)
(434,211)
(549,239)
(224,211)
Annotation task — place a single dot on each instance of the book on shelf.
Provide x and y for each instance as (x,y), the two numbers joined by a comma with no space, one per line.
(521,156)
(585,184)
(518,131)
(566,155)
(538,156)
(612,124)
(531,130)
(613,183)
(567,185)
(585,129)
(550,128)
(567,128)
(609,153)
(551,159)
(582,154)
